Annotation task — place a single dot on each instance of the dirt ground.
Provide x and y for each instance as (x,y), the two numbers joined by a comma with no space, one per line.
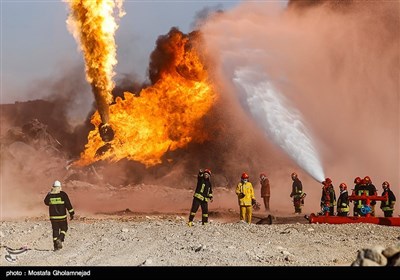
(134,239)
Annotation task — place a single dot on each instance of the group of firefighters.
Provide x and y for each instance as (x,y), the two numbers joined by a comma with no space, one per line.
(60,205)
(365,196)
(363,191)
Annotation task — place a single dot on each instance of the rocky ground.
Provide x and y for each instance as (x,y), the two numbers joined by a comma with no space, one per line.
(129,239)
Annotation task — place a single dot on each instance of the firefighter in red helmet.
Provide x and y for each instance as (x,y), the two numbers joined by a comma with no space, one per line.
(202,195)
(297,193)
(371,191)
(357,185)
(246,198)
(328,197)
(343,201)
(388,205)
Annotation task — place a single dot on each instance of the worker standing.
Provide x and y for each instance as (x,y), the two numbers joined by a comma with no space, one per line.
(343,201)
(297,193)
(265,190)
(357,185)
(388,205)
(371,191)
(58,202)
(328,197)
(202,195)
(246,198)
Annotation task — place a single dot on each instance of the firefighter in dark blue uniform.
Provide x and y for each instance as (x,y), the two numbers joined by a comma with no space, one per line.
(59,203)
(202,195)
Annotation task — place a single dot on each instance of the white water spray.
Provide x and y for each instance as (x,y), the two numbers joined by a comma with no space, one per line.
(280,122)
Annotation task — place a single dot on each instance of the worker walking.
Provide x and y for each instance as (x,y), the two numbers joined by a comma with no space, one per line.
(58,202)
(202,195)
(246,198)
(343,207)
(388,205)
(265,190)
(297,193)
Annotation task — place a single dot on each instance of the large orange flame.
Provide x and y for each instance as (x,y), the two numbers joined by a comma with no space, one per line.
(93,25)
(163,117)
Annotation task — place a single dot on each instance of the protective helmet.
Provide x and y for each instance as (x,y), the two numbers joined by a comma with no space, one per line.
(208,171)
(357,180)
(328,180)
(385,184)
(57,184)
(244,176)
(367,179)
(343,186)
(294,175)
(262,176)
(363,182)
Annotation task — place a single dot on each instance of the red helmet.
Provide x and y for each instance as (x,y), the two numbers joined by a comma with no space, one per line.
(294,175)
(367,179)
(244,176)
(328,181)
(207,171)
(357,180)
(363,182)
(262,176)
(343,186)
(385,184)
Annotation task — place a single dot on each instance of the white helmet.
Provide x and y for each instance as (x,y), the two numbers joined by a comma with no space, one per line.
(57,184)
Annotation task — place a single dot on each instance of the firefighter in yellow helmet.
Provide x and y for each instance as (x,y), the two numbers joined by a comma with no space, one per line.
(246,198)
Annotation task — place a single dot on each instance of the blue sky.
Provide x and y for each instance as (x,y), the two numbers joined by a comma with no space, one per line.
(35,41)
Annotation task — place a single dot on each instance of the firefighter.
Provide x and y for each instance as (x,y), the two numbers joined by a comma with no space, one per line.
(246,198)
(202,195)
(388,205)
(297,193)
(371,191)
(357,184)
(265,190)
(58,202)
(362,190)
(328,197)
(343,201)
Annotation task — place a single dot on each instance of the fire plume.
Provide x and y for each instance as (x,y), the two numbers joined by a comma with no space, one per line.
(93,26)
(162,117)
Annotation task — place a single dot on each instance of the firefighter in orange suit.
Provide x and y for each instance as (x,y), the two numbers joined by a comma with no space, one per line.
(246,198)
(202,195)
(58,202)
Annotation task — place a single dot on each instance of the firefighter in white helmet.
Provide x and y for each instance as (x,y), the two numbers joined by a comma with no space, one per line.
(59,203)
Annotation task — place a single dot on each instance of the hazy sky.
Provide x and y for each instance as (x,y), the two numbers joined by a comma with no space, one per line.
(35,42)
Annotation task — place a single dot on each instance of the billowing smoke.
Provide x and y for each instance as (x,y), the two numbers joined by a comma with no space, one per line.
(337,65)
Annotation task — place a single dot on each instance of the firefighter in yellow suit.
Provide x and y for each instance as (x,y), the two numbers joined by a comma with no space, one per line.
(246,198)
